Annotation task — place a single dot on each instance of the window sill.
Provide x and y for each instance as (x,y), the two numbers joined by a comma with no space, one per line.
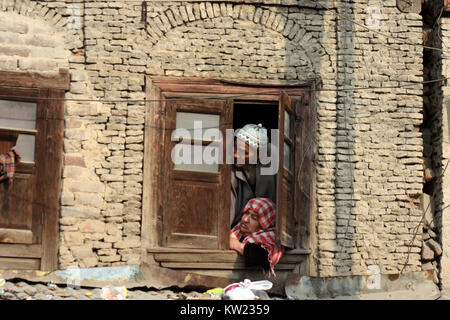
(180,258)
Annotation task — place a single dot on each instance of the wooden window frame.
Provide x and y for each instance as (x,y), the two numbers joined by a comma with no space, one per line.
(48,90)
(158,90)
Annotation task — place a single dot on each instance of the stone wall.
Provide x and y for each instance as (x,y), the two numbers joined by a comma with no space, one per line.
(370,147)
(442,152)
(369,161)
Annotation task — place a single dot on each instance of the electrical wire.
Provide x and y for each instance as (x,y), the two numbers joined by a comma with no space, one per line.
(230,97)
(421,221)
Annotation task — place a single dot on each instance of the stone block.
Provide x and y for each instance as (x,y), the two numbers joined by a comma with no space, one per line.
(127,243)
(67,198)
(67,221)
(89,262)
(78,88)
(37,64)
(427,253)
(81,252)
(14,51)
(80,212)
(86,186)
(107,252)
(73,238)
(92,226)
(109,258)
(433,245)
(8,63)
(87,199)
(132,228)
(74,161)
(81,109)
(13,26)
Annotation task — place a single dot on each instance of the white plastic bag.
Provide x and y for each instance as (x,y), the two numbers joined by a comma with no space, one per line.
(257,285)
(247,290)
(114,293)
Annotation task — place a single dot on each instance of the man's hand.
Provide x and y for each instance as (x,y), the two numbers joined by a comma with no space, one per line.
(235,244)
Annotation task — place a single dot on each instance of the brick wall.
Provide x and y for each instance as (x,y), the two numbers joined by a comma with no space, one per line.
(369,163)
(442,149)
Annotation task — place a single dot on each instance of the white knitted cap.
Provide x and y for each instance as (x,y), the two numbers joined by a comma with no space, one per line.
(254,135)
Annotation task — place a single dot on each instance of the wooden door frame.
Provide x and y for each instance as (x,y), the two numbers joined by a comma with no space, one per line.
(51,89)
(157,90)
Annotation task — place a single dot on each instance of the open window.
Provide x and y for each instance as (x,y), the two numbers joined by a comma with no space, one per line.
(186,207)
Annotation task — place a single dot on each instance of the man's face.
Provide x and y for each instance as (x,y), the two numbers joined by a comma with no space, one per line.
(243,152)
(249,222)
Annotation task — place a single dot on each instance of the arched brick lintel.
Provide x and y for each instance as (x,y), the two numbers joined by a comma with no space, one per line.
(174,17)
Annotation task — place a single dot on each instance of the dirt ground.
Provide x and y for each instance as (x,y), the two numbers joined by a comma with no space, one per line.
(23,290)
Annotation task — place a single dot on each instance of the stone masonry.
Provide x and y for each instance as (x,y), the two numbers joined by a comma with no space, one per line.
(370,148)
(441,147)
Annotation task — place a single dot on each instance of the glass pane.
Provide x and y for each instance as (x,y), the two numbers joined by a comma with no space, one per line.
(193,125)
(25,146)
(17,114)
(287,157)
(287,124)
(196,157)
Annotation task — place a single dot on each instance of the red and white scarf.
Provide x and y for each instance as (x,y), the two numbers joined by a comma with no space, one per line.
(8,162)
(266,210)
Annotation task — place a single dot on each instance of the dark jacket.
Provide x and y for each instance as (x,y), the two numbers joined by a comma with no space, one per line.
(256,256)
(242,192)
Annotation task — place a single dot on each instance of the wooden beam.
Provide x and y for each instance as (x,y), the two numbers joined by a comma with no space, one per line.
(225,257)
(211,87)
(15,235)
(20,250)
(218,266)
(209,251)
(36,80)
(19,263)
(52,182)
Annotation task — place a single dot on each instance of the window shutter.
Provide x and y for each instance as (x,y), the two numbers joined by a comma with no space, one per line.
(305,178)
(196,195)
(29,208)
(285,222)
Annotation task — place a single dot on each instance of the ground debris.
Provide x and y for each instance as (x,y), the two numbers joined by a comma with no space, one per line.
(18,289)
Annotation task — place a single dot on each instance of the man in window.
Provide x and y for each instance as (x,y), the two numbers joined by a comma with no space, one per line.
(247,180)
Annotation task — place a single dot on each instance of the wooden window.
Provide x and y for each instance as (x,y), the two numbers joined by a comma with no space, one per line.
(32,119)
(187,206)
(194,214)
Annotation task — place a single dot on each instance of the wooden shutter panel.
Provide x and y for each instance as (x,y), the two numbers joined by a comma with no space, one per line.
(196,203)
(285,222)
(19,213)
(29,208)
(305,177)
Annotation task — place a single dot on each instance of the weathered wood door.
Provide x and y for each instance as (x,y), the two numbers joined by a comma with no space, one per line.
(196,188)
(286,150)
(29,207)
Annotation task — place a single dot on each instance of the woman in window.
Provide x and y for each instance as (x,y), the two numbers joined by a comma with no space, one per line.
(254,236)
(247,180)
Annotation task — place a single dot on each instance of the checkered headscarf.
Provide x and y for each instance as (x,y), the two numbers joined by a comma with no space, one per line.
(8,162)
(266,210)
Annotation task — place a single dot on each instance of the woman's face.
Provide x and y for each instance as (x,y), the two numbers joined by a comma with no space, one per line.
(249,222)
